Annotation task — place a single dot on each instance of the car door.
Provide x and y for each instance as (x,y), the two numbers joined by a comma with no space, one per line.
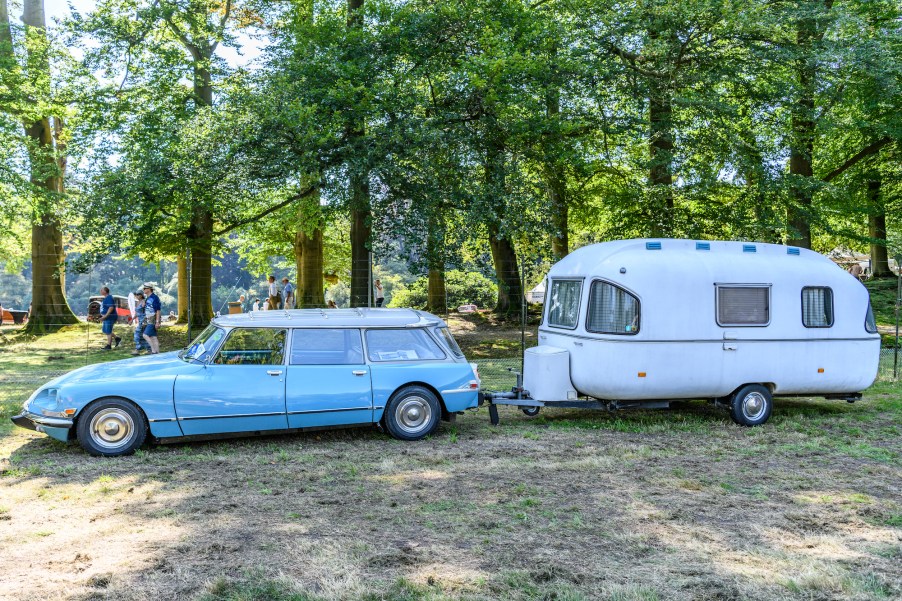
(328,381)
(242,389)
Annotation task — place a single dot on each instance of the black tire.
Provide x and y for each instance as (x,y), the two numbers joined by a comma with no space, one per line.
(530,411)
(111,427)
(751,405)
(412,413)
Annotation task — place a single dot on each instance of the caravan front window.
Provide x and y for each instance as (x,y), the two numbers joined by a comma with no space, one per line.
(612,310)
(563,310)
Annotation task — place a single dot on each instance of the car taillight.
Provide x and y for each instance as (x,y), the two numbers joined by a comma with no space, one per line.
(475,370)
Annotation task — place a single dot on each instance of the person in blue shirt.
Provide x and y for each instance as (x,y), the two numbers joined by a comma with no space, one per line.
(109,317)
(139,322)
(288,294)
(153,311)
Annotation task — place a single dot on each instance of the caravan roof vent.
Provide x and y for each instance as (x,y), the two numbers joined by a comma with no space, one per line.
(749,248)
(702,246)
(792,250)
(652,246)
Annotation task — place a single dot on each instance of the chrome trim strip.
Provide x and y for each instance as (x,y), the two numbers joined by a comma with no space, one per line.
(458,390)
(168,419)
(53,422)
(378,408)
(232,415)
(329,410)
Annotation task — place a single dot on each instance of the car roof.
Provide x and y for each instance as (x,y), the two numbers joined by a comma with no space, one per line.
(378,318)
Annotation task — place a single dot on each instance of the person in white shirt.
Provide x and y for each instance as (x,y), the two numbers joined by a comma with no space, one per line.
(380,293)
(256,306)
(275,299)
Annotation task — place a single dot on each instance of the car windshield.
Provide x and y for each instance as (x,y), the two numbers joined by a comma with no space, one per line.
(445,334)
(204,345)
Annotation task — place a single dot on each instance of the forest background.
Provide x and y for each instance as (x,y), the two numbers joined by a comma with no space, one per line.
(459,147)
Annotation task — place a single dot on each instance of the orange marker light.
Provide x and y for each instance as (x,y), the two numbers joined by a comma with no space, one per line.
(69,411)
(820,370)
(641,374)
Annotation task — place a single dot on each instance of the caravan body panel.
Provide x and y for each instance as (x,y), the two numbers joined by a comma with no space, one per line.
(652,320)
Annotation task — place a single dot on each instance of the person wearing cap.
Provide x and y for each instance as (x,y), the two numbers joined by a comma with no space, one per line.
(153,312)
(139,321)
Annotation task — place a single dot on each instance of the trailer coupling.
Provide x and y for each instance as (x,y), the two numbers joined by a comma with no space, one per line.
(518,397)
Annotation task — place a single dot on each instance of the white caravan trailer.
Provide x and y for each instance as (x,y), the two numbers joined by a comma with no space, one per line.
(643,322)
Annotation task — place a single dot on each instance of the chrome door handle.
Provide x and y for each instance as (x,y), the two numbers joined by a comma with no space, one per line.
(729,347)
(577,343)
(275,372)
(359,372)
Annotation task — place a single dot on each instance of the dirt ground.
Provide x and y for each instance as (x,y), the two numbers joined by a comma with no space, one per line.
(678,504)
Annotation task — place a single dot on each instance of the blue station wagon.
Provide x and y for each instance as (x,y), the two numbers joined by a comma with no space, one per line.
(267,372)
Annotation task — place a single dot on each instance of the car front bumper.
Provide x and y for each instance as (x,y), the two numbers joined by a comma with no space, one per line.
(57,427)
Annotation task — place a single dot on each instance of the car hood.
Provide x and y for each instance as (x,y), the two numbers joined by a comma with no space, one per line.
(157,365)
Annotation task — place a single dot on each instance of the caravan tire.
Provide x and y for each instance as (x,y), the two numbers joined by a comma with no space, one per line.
(530,411)
(751,405)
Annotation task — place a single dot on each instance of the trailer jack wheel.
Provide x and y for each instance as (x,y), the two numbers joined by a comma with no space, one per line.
(493,414)
(530,411)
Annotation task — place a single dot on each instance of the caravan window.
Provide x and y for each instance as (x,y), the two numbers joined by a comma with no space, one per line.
(817,307)
(612,310)
(743,305)
(563,310)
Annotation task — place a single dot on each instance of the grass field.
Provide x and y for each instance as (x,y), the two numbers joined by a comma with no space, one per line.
(677,504)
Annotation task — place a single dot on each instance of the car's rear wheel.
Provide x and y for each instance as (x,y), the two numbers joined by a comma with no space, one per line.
(111,427)
(412,413)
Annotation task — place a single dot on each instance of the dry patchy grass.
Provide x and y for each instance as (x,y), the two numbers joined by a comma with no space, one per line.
(678,504)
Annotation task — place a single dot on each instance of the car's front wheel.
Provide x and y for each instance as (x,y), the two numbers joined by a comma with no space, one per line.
(111,427)
(412,413)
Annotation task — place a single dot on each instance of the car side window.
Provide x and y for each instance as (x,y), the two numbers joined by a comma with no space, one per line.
(252,346)
(326,346)
(401,345)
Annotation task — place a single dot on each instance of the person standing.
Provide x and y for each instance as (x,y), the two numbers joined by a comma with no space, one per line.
(153,311)
(380,293)
(108,316)
(138,322)
(274,298)
(288,293)
(256,306)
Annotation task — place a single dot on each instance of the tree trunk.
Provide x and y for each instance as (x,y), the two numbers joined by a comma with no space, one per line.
(660,171)
(436,295)
(49,309)
(360,199)
(308,255)
(802,122)
(556,184)
(360,252)
(201,268)
(181,262)
(877,231)
(504,257)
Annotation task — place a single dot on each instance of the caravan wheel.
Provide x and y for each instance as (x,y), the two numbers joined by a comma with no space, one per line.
(530,411)
(751,405)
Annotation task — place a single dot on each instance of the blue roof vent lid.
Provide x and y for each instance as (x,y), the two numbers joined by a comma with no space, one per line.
(652,246)
(749,248)
(702,246)
(792,250)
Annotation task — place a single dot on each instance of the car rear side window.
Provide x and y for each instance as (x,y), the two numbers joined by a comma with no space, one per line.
(253,346)
(870,324)
(321,346)
(612,310)
(563,309)
(743,305)
(401,345)
(817,307)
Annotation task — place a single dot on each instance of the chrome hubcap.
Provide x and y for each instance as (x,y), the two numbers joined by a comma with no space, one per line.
(413,414)
(753,405)
(112,428)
